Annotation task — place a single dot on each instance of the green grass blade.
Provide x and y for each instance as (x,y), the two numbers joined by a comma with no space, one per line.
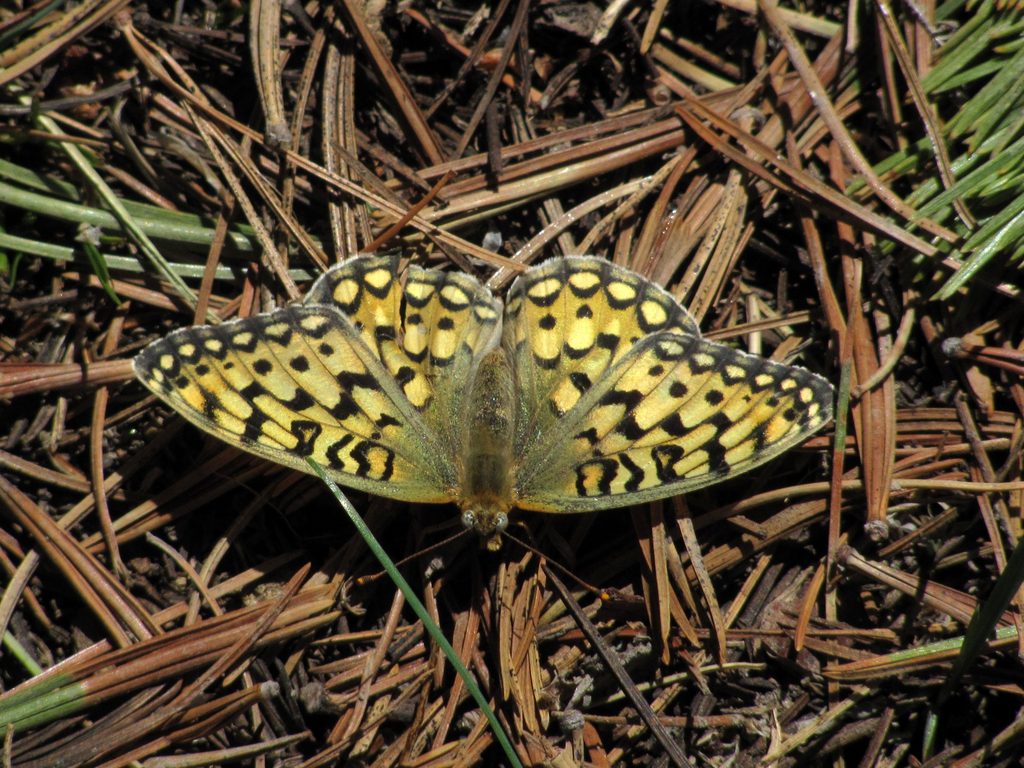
(410,596)
(124,218)
(980,630)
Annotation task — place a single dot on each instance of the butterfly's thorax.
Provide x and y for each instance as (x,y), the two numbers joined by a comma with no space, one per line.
(486,465)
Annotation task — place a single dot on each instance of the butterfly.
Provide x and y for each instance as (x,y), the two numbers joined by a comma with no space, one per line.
(590,388)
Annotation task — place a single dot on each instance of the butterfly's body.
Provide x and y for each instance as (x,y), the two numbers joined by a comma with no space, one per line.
(485,493)
(591,388)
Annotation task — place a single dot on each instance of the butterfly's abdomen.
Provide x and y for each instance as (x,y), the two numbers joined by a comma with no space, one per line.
(487,439)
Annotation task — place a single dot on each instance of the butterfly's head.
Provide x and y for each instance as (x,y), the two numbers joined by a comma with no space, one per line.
(488,520)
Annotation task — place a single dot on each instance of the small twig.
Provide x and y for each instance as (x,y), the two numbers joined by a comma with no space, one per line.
(611,659)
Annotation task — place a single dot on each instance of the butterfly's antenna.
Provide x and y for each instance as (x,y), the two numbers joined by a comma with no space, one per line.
(370,578)
(552,564)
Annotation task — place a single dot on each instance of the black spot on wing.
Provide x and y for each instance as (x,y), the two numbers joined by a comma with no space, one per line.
(547,363)
(345,408)
(300,401)
(404,375)
(209,407)
(306,432)
(720,422)
(252,390)
(627,397)
(665,458)
(714,396)
(636,475)
(673,425)
(334,457)
(580,381)
(677,389)
(629,429)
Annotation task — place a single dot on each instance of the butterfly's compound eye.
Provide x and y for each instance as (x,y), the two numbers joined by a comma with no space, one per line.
(500,522)
(469,518)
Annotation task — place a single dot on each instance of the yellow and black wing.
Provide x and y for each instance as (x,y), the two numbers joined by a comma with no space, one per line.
(351,377)
(567,321)
(646,412)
